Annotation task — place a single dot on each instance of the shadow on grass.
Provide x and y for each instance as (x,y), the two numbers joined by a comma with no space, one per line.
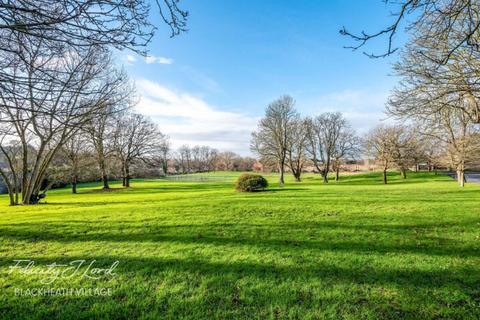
(280,189)
(293,236)
(143,281)
(319,271)
(393,178)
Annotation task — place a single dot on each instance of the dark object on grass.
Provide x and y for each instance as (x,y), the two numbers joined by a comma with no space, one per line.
(35,198)
(248,182)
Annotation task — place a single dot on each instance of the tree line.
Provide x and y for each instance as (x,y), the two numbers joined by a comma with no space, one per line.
(327,141)
(439,91)
(290,141)
(59,85)
(205,159)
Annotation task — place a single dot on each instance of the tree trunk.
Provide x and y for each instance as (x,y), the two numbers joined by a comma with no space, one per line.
(461,177)
(165,168)
(103,169)
(326,170)
(74,183)
(297,174)
(385,176)
(282,169)
(337,173)
(101,164)
(403,172)
(127,176)
(124,175)
(325,175)
(16,193)
(9,186)
(105,181)
(11,197)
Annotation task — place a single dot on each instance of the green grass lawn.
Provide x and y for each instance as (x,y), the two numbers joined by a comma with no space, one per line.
(355,249)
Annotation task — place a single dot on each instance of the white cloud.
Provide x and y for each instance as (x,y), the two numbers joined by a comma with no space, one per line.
(130,59)
(190,120)
(160,60)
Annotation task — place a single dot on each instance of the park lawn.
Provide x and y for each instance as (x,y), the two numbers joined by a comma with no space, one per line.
(355,249)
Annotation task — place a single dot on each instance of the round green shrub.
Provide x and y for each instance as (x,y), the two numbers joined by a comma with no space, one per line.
(248,182)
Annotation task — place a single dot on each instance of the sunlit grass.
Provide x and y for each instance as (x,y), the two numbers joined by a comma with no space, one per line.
(200,250)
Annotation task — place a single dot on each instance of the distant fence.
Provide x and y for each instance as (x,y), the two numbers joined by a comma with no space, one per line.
(199,178)
(469,176)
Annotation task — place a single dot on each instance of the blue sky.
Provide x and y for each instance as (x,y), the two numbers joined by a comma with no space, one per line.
(211,85)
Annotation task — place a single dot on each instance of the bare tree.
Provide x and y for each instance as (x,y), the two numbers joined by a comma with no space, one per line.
(226,160)
(324,132)
(135,139)
(403,147)
(185,158)
(433,151)
(81,23)
(45,106)
(10,162)
(101,136)
(297,145)
(382,143)
(271,140)
(443,99)
(163,154)
(427,88)
(454,129)
(452,25)
(208,158)
(347,147)
(76,155)
(245,163)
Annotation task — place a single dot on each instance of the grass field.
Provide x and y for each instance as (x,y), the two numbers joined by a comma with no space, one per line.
(355,249)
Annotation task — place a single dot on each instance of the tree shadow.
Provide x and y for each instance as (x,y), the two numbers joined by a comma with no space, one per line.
(231,288)
(293,236)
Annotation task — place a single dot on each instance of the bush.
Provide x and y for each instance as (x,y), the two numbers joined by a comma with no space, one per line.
(248,182)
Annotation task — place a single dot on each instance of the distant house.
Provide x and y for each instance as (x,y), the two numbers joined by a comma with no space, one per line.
(257,166)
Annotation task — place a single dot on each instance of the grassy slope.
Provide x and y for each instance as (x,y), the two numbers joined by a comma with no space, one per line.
(353,249)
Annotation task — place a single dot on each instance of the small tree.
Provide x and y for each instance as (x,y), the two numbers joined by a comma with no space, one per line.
(76,155)
(297,144)
(163,154)
(271,140)
(324,132)
(136,138)
(380,143)
(347,147)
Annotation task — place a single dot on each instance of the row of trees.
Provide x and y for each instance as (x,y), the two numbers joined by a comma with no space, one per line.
(402,147)
(110,144)
(447,143)
(286,139)
(205,159)
(439,90)
(58,81)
